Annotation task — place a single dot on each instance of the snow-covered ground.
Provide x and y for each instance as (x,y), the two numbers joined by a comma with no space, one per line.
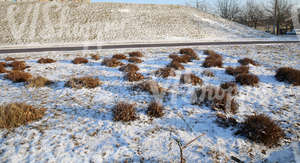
(78,126)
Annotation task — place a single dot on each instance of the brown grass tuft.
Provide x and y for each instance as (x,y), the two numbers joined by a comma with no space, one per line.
(150,86)
(261,129)
(124,112)
(213,60)
(95,57)
(119,56)
(3,64)
(46,60)
(224,121)
(135,60)
(9,59)
(39,82)
(247,79)
(111,62)
(190,79)
(18,76)
(230,87)
(288,75)
(176,65)
(129,68)
(134,76)
(189,52)
(208,73)
(83,82)
(155,109)
(16,114)
(136,54)
(18,65)
(247,61)
(165,72)
(237,70)
(209,52)
(182,59)
(80,60)
(2,69)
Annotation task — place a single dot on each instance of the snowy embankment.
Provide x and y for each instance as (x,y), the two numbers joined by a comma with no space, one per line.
(78,125)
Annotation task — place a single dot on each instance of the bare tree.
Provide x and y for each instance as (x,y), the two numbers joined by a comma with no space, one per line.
(252,13)
(199,4)
(228,9)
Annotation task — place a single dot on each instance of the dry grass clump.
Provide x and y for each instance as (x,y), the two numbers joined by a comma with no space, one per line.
(213,60)
(124,112)
(225,121)
(135,60)
(165,72)
(119,56)
(150,86)
(18,65)
(216,98)
(3,64)
(80,60)
(136,54)
(134,76)
(181,59)
(83,82)
(95,57)
(230,87)
(237,70)
(16,114)
(209,52)
(208,73)
(111,62)
(247,79)
(39,82)
(189,52)
(46,60)
(155,109)
(9,59)
(129,68)
(18,76)
(176,65)
(190,79)
(2,69)
(247,61)
(261,129)
(288,75)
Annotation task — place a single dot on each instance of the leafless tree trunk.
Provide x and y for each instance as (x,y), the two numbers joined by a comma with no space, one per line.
(228,9)
(252,13)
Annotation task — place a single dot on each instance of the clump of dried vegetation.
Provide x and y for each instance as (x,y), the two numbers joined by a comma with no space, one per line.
(190,79)
(135,60)
(124,112)
(2,69)
(9,59)
(155,109)
(39,82)
(237,70)
(95,57)
(119,56)
(261,129)
(230,87)
(129,68)
(224,121)
(208,73)
(247,61)
(247,79)
(216,98)
(46,60)
(111,62)
(180,59)
(149,86)
(209,52)
(16,114)
(80,60)
(18,76)
(136,54)
(134,76)
(289,75)
(176,65)
(213,60)
(165,72)
(3,64)
(18,65)
(189,52)
(83,82)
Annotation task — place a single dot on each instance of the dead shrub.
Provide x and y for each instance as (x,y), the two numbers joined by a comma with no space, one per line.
(247,79)
(230,87)
(80,60)
(213,61)
(124,112)
(83,82)
(165,72)
(136,54)
(9,59)
(129,68)
(209,52)
(150,86)
(182,59)
(18,76)
(289,75)
(216,98)
(18,65)
(224,121)
(134,76)
(95,57)
(155,109)
(189,52)
(135,60)
(261,129)
(39,82)
(247,61)
(208,73)
(237,70)
(111,62)
(190,79)
(46,60)
(119,56)
(176,65)
(172,56)
(2,69)
(16,114)
(3,64)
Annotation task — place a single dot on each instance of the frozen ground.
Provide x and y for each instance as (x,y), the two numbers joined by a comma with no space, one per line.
(78,126)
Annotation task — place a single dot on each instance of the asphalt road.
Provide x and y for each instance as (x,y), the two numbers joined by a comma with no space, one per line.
(149,45)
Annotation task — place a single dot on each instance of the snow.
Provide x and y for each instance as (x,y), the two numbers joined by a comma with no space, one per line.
(78,126)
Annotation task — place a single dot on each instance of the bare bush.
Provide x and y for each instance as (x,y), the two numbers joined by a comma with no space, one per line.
(230,87)
(18,65)
(2,69)
(247,79)
(16,114)
(189,52)
(134,76)
(83,82)
(208,73)
(129,68)
(214,60)
(224,121)
(150,86)
(80,60)
(9,59)
(289,75)
(18,76)
(209,52)
(46,60)
(176,65)
(135,60)
(136,54)
(237,70)
(165,72)
(190,79)
(247,61)
(3,64)
(111,62)
(95,57)
(39,82)
(124,112)
(119,56)
(155,109)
